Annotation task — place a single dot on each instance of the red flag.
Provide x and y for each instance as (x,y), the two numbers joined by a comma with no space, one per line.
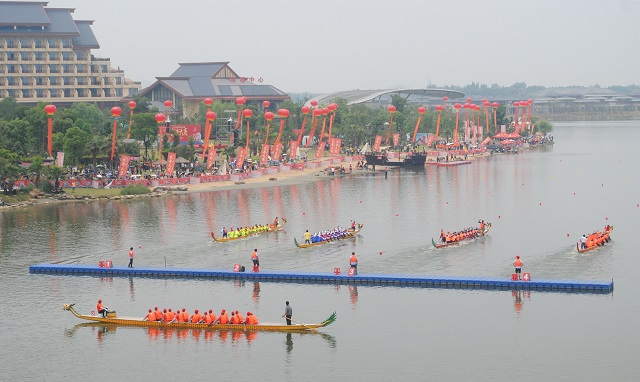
(293,149)
(240,158)
(396,138)
(211,157)
(124,166)
(264,154)
(320,150)
(334,146)
(377,143)
(171,163)
(276,151)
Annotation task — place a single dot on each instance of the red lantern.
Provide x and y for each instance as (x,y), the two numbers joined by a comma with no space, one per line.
(50,109)
(284,113)
(314,103)
(486,104)
(266,104)
(516,104)
(422,110)
(495,104)
(325,111)
(317,112)
(466,105)
(247,113)
(439,107)
(305,110)
(477,107)
(469,100)
(116,111)
(530,101)
(168,104)
(269,116)
(208,101)
(160,117)
(132,105)
(392,109)
(484,100)
(332,107)
(445,98)
(457,106)
(210,115)
(241,100)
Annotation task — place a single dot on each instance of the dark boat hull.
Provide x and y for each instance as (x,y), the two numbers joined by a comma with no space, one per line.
(417,159)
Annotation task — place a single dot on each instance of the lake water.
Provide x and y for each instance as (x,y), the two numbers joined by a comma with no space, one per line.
(539,201)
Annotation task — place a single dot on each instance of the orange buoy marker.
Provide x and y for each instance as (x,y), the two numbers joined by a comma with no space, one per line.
(498,216)
(396,214)
(540,203)
(139,246)
(380,253)
(567,235)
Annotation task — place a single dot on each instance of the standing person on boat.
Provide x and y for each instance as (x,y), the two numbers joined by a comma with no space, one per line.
(254,258)
(288,312)
(482,225)
(275,222)
(224,232)
(518,264)
(307,237)
(101,309)
(583,242)
(353,262)
(130,257)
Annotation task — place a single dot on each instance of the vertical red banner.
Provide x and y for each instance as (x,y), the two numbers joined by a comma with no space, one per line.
(264,154)
(334,146)
(431,139)
(124,166)
(211,157)
(60,158)
(276,151)
(171,163)
(320,150)
(293,149)
(240,158)
(396,138)
(377,142)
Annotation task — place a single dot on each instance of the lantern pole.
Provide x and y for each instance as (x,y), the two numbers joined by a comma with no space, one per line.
(50,110)
(132,105)
(495,115)
(439,109)
(115,112)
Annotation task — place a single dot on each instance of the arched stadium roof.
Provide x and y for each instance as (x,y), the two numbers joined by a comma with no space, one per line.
(383,96)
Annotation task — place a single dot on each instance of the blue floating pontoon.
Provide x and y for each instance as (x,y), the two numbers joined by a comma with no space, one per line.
(453,282)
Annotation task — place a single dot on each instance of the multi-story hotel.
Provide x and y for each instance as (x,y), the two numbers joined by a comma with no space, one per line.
(45,56)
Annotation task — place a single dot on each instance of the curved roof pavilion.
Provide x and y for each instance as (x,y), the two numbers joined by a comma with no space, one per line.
(383,96)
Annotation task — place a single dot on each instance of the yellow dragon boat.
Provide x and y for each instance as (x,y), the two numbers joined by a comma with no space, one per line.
(271,229)
(136,321)
(351,233)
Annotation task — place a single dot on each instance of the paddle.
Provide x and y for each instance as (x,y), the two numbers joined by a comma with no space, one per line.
(306,326)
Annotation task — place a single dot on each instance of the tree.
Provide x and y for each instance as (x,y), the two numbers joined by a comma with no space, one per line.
(542,126)
(75,142)
(97,144)
(145,129)
(399,102)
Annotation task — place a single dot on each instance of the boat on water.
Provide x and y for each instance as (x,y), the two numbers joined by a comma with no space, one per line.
(480,234)
(137,321)
(271,229)
(409,159)
(351,233)
(599,240)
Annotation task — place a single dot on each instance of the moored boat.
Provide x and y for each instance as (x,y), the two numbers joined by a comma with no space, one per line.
(382,159)
(604,237)
(271,229)
(480,234)
(135,321)
(351,233)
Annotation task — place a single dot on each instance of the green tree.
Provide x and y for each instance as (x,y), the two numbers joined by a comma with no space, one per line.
(10,109)
(145,129)
(542,126)
(96,145)
(75,143)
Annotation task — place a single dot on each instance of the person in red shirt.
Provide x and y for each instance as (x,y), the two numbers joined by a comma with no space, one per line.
(101,309)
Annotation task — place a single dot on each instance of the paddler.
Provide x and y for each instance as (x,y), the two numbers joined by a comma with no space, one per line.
(150,316)
(158,314)
(196,317)
(518,264)
(101,309)
(224,318)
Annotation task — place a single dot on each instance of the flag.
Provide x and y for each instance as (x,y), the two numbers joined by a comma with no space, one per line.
(171,163)
(124,166)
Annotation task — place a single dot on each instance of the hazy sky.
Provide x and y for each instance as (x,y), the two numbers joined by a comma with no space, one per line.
(333,45)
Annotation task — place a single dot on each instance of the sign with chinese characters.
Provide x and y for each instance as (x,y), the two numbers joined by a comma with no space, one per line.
(377,142)
(240,158)
(124,166)
(293,149)
(211,157)
(334,146)
(320,150)
(264,153)
(185,132)
(276,151)
(171,163)
(396,138)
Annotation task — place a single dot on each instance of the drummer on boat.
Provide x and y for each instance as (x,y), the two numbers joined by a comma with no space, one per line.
(101,309)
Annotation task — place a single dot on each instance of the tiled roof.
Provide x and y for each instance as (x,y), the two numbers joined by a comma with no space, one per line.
(201,69)
(86,39)
(23,13)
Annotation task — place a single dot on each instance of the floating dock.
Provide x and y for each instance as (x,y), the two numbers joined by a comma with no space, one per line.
(449,164)
(451,282)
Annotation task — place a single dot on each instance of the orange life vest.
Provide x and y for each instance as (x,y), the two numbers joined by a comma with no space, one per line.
(517,263)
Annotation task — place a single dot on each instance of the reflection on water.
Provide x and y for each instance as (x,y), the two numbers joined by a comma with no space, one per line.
(518,301)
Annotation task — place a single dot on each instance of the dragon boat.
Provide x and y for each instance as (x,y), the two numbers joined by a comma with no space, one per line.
(137,321)
(351,233)
(607,238)
(444,245)
(271,229)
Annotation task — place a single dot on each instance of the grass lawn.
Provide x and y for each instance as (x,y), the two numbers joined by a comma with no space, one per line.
(96,192)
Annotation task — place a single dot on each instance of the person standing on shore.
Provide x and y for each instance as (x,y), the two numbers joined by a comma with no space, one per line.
(518,264)
(130,257)
(288,312)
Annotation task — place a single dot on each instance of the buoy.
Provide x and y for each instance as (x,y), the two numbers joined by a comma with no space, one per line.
(380,253)
(540,203)
(567,235)
(446,202)
(606,218)
(361,202)
(396,214)
(574,193)
(139,246)
(498,216)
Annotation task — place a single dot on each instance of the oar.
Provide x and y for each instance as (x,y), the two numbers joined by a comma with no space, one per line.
(306,326)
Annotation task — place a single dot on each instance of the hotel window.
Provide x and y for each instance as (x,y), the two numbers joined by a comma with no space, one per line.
(52,81)
(104,68)
(39,56)
(39,93)
(53,68)
(12,69)
(94,93)
(67,93)
(25,43)
(25,56)
(66,68)
(118,81)
(26,81)
(11,56)
(25,68)
(38,68)
(66,43)
(66,56)
(80,68)
(81,81)
(11,81)
(11,93)
(53,56)
(10,43)
(39,80)
(53,43)
(118,92)
(38,43)
(80,56)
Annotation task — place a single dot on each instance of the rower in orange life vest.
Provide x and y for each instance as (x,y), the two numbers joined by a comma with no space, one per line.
(150,316)
(223,319)
(518,264)
(101,309)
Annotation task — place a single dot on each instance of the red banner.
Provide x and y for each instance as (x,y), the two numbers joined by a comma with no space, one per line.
(171,163)
(211,157)
(124,166)
(264,154)
(60,158)
(185,132)
(396,138)
(320,150)
(293,149)
(240,158)
(430,140)
(334,146)
(377,143)
(276,151)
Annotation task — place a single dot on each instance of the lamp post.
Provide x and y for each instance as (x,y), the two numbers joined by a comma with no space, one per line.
(50,110)
(115,112)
